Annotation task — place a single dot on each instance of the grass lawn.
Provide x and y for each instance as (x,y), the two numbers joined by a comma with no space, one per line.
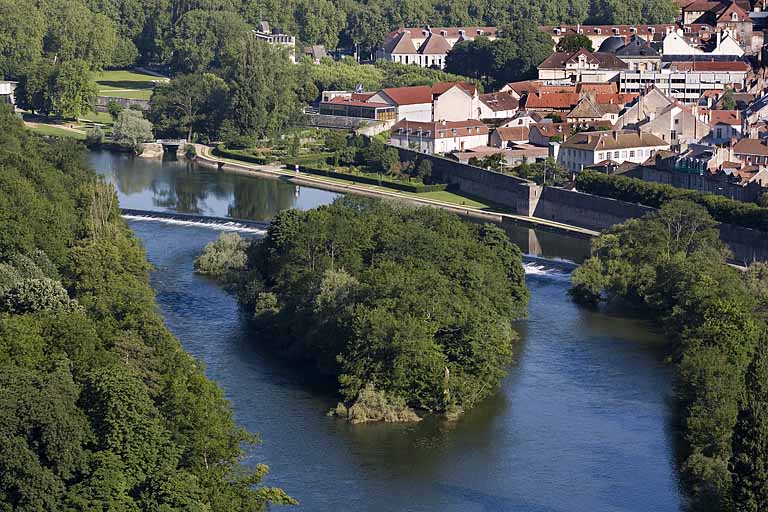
(126,84)
(450,197)
(97,117)
(45,129)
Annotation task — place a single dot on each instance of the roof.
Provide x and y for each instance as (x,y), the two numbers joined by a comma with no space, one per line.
(513,133)
(555,100)
(750,147)
(340,100)
(622,98)
(603,60)
(737,66)
(500,101)
(636,47)
(447,32)
(400,42)
(442,130)
(611,44)
(435,44)
(409,95)
(564,129)
(439,88)
(598,87)
(729,117)
(731,9)
(599,141)
(589,109)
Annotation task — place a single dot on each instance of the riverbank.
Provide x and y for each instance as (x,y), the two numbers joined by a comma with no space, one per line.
(205,157)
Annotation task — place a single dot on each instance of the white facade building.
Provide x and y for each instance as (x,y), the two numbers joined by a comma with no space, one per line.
(589,148)
(439,137)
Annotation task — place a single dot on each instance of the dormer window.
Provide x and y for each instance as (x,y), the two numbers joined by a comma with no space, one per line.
(425,33)
(597,30)
(461,33)
(443,33)
(633,30)
(734,16)
(615,30)
(704,28)
(651,30)
(687,30)
(557,31)
(480,31)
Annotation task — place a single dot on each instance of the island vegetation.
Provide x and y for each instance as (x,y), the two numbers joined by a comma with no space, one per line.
(100,408)
(410,308)
(672,264)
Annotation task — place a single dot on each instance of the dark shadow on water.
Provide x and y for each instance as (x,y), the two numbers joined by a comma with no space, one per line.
(489,502)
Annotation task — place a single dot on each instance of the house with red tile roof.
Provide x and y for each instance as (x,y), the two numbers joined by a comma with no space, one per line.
(725,125)
(428,46)
(439,137)
(586,148)
(509,137)
(442,101)
(498,105)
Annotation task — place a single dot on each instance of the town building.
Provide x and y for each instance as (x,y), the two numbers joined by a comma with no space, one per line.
(589,148)
(725,124)
(498,105)
(637,53)
(275,37)
(658,114)
(7,92)
(521,154)
(542,134)
(581,66)
(428,46)
(752,151)
(509,137)
(348,107)
(439,137)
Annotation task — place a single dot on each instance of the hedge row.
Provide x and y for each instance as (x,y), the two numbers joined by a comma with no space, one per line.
(406,187)
(222,152)
(633,190)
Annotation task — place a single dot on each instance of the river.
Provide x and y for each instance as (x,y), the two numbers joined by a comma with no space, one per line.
(583,422)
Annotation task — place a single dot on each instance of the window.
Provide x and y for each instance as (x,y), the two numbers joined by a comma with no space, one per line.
(673,135)
(631,154)
(615,154)
(719,133)
(734,16)
(677,121)
(623,154)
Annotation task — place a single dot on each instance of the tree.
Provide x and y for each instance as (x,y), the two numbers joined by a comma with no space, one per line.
(763,200)
(114,108)
(22,27)
(206,40)
(190,104)
(572,42)
(727,102)
(75,33)
(131,129)
(35,91)
(263,89)
(424,170)
(750,439)
(75,91)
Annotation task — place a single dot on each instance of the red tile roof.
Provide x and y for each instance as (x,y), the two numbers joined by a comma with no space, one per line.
(500,101)
(750,147)
(555,100)
(729,117)
(513,133)
(441,87)
(340,100)
(442,130)
(599,87)
(409,95)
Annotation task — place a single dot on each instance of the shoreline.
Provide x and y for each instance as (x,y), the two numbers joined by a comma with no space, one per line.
(204,157)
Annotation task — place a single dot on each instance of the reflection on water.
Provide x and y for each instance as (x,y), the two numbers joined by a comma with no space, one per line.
(180,186)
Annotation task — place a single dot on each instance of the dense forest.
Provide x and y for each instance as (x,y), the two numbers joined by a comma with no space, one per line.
(178,33)
(100,408)
(673,264)
(412,303)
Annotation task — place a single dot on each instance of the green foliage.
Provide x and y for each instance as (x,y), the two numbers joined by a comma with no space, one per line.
(548,172)
(22,28)
(723,209)
(263,89)
(223,257)
(114,108)
(512,57)
(392,296)
(672,263)
(572,42)
(100,408)
(205,40)
(75,91)
(189,105)
(131,130)
(727,102)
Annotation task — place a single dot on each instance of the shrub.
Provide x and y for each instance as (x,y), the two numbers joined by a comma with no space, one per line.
(33,295)
(94,137)
(222,256)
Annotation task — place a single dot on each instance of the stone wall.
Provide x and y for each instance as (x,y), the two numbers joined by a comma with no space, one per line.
(585,210)
(516,194)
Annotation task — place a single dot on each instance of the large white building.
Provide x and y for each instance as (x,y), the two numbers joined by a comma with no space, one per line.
(589,148)
(428,46)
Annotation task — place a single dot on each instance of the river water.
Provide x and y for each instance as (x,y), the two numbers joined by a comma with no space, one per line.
(583,422)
